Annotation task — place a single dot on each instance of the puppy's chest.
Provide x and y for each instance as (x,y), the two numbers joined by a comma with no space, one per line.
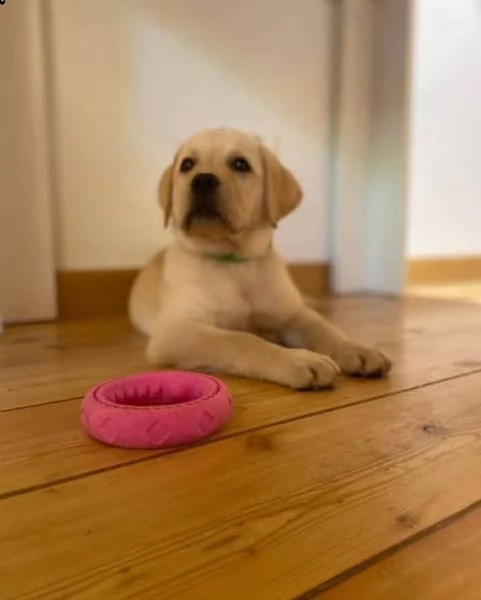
(255,296)
(242,310)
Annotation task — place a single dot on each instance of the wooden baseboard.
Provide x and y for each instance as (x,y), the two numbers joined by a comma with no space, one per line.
(432,271)
(84,294)
(104,293)
(313,279)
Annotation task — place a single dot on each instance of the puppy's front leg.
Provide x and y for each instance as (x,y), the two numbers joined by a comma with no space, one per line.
(194,345)
(317,334)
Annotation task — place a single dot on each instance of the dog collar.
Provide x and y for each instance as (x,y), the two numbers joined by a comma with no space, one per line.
(229,257)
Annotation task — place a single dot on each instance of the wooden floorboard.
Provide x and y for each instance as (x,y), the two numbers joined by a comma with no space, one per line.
(64,361)
(266,515)
(440,566)
(298,492)
(44,443)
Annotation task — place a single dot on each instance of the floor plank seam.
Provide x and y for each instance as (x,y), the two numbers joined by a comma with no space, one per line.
(27,406)
(243,394)
(215,440)
(316,592)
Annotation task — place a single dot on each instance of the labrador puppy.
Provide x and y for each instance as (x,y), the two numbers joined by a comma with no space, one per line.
(220,298)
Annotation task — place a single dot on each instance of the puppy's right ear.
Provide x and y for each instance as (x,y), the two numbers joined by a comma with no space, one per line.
(165,193)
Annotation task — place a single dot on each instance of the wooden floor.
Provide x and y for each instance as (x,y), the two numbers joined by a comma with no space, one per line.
(370,491)
(469,291)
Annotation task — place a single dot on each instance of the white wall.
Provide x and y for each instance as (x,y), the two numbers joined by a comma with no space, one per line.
(445,193)
(133,78)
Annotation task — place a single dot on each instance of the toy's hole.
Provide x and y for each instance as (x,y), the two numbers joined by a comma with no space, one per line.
(152,392)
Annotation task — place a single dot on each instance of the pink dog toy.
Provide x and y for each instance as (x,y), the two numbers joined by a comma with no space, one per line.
(156,410)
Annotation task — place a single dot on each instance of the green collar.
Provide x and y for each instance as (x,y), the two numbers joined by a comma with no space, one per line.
(230,257)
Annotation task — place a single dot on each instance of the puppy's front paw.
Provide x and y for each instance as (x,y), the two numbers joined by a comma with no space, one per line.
(360,361)
(311,371)
(156,354)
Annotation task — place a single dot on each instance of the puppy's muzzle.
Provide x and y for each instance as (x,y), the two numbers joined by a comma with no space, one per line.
(204,201)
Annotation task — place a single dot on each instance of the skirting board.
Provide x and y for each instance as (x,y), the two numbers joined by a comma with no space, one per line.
(84,294)
(432,271)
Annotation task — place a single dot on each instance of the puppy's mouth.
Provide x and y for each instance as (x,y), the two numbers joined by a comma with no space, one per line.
(204,211)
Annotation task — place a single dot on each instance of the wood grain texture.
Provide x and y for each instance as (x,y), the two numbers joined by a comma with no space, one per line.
(429,340)
(45,442)
(426,271)
(49,368)
(441,566)
(299,491)
(266,515)
(104,293)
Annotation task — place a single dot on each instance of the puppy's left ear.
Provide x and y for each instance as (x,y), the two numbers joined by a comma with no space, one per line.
(165,193)
(282,192)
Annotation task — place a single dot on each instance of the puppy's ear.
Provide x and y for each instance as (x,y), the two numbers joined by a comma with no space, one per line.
(165,193)
(282,192)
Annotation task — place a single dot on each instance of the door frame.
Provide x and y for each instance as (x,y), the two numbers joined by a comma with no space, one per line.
(368,197)
(27,256)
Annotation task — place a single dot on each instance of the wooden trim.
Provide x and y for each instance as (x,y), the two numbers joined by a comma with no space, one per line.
(313,279)
(84,294)
(93,293)
(429,271)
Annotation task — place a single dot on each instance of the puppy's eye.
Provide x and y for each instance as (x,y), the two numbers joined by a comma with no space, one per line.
(240,164)
(186,165)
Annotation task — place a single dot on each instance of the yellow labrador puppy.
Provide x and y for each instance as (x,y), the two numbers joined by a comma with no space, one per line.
(220,298)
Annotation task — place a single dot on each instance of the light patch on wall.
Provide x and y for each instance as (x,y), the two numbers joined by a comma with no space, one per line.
(445,194)
(134,79)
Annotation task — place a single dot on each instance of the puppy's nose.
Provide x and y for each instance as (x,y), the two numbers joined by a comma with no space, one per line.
(205,182)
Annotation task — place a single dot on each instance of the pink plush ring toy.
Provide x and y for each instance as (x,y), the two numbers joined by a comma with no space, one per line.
(156,410)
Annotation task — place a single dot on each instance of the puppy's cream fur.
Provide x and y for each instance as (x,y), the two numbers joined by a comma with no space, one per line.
(244,318)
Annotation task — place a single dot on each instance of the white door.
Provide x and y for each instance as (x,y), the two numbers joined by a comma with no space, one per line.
(27,266)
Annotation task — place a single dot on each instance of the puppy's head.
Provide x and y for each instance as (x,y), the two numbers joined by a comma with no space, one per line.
(224,182)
